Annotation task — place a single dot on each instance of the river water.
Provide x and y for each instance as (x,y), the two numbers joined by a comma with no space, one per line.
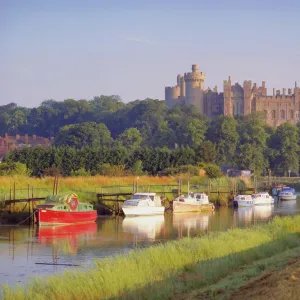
(31,251)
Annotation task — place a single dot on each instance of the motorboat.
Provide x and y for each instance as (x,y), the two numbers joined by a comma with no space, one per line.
(64,209)
(262,198)
(143,204)
(243,201)
(287,193)
(192,202)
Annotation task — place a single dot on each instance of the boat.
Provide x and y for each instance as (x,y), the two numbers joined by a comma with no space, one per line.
(243,201)
(262,198)
(287,193)
(192,202)
(143,204)
(65,209)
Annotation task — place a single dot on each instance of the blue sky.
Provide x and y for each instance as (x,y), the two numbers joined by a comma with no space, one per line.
(80,49)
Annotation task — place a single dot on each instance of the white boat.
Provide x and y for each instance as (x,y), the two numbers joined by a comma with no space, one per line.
(287,193)
(192,202)
(262,198)
(143,204)
(243,200)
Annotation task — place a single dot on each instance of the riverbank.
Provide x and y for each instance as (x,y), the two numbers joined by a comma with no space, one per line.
(169,269)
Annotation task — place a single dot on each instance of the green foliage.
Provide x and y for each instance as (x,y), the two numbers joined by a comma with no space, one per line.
(137,168)
(104,130)
(212,171)
(81,172)
(13,168)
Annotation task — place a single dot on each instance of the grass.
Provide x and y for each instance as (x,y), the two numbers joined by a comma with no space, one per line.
(161,271)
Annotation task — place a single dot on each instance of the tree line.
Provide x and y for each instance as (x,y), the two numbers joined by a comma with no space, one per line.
(103,133)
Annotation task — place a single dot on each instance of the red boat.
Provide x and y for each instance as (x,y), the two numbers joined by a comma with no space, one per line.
(64,210)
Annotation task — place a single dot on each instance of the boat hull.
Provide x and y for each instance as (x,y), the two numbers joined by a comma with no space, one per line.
(240,203)
(51,217)
(287,197)
(263,202)
(143,211)
(187,207)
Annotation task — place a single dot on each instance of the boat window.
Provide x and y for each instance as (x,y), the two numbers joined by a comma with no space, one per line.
(152,198)
(139,196)
(242,198)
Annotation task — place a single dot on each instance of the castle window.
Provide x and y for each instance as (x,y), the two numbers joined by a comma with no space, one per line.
(282,114)
(266,114)
(273,114)
(291,114)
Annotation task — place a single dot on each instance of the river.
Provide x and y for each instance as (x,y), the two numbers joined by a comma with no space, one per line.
(32,251)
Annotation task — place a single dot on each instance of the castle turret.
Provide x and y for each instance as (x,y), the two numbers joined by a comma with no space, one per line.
(247,96)
(228,105)
(194,83)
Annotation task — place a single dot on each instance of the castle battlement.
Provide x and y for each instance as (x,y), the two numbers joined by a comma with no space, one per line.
(282,106)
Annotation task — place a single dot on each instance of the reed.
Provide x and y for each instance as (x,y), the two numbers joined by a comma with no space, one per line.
(160,271)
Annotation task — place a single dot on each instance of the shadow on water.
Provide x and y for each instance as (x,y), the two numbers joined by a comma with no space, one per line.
(21,248)
(208,272)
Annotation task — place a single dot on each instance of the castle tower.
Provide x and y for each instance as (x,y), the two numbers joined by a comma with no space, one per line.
(247,97)
(228,105)
(194,88)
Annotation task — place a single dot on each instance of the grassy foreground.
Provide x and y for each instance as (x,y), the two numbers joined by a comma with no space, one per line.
(168,269)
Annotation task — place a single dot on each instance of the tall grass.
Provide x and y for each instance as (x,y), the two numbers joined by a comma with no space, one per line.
(159,271)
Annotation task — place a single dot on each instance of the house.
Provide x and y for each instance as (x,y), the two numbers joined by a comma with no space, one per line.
(8,143)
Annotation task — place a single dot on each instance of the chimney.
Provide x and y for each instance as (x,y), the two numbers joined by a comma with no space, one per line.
(290,91)
(17,137)
(26,138)
(34,137)
(283,91)
(6,136)
(277,93)
(263,84)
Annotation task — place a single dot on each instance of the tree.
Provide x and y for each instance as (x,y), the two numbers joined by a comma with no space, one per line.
(223,133)
(85,134)
(131,139)
(285,141)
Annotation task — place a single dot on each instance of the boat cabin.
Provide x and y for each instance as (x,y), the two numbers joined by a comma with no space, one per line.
(143,199)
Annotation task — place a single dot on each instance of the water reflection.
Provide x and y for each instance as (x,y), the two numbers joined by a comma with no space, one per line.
(21,248)
(66,238)
(144,227)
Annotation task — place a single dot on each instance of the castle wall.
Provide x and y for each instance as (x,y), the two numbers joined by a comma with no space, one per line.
(236,100)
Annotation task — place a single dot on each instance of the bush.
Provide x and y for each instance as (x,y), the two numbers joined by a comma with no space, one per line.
(11,168)
(212,171)
(51,172)
(186,169)
(81,172)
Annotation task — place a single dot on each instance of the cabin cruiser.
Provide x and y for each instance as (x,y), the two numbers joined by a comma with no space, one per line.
(192,202)
(143,204)
(243,200)
(262,198)
(287,193)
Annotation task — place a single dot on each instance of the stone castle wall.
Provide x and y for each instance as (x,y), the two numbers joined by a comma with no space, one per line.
(235,100)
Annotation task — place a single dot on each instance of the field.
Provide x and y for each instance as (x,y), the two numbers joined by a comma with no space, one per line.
(216,265)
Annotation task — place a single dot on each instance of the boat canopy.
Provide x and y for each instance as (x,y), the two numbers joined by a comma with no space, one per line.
(61,198)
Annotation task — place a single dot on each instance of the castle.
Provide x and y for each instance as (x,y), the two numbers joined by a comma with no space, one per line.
(235,99)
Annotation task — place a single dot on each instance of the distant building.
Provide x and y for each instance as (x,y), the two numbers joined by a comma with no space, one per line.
(278,108)
(17,142)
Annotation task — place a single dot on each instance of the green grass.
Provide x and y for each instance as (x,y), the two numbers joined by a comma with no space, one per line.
(160,271)
(224,288)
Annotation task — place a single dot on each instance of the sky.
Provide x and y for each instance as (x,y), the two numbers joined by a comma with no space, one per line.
(62,49)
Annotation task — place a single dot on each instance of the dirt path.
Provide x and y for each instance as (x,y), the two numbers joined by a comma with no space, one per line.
(281,284)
